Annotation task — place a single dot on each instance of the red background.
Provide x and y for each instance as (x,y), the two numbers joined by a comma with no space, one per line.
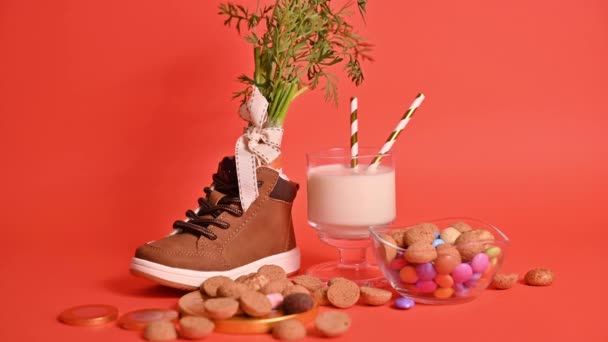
(114,115)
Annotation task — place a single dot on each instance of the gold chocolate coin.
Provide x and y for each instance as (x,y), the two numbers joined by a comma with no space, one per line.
(138,319)
(88,315)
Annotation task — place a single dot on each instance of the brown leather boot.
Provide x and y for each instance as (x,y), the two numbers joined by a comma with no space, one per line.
(219,238)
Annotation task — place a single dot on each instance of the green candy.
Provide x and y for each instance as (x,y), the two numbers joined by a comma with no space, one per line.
(493,251)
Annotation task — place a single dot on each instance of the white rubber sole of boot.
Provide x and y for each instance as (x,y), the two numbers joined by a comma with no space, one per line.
(186,279)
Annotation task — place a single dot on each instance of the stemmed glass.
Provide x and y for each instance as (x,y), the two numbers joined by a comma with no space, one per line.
(344,202)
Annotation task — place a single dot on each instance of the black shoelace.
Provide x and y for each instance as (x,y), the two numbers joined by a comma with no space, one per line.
(196,221)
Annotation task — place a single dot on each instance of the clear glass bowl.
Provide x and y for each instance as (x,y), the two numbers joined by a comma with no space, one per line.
(432,282)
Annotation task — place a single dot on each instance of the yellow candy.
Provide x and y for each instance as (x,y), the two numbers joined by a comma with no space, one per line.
(493,251)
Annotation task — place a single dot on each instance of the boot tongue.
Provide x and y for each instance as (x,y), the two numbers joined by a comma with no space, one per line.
(224,190)
(226,171)
(214,197)
(226,183)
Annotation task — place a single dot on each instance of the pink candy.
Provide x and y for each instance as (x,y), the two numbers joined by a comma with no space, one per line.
(462,273)
(480,262)
(426,286)
(276,299)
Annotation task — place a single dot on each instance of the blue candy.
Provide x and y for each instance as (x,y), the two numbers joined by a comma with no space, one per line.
(404,303)
(438,242)
(436,235)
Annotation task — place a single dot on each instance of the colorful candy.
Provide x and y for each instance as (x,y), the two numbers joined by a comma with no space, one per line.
(462,273)
(404,303)
(408,274)
(426,271)
(276,299)
(397,264)
(493,251)
(480,262)
(445,264)
(426,286)
(444,280)
(433,264)
(443,292)
(471,283)
(438,242)
(460,290)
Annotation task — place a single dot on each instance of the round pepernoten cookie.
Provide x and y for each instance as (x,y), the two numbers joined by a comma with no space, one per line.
(192,304)
(343,294)
(539,277)
(255,304)
(139,319)
(273,272)
(320,296)
(420,253)
(504,281)
(210,286)
(195,328)
(232,290)
(473,242)
(387,252)
(160,331)
(335,280)
(332,323)
(297,303)
(398,235)
(294,289)
(240,279)
(445,248)
(309,282)
(374,296)
(289,330)
(221,308)
(255,281)
(423,232)
(276,286)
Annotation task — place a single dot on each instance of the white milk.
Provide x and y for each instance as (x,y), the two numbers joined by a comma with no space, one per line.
(340,195)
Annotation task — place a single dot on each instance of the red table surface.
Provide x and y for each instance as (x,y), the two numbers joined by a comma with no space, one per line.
(114,114)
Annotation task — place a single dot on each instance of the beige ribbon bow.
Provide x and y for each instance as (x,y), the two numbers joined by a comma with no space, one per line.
(257,146)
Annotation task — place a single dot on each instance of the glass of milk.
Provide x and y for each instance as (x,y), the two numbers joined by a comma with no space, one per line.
(344,202)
